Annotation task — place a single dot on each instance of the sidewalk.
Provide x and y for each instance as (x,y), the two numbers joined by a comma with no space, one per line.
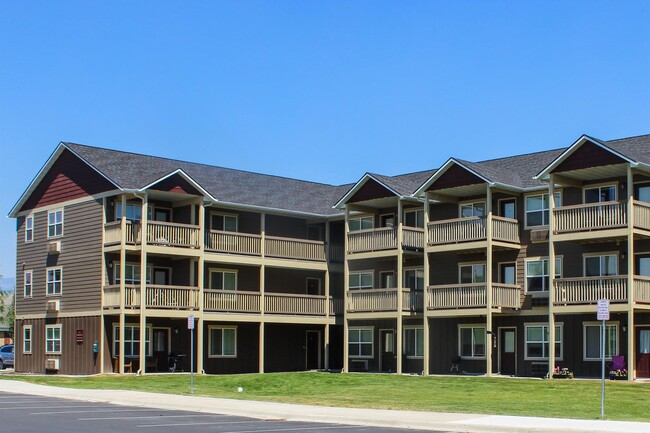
(451,422)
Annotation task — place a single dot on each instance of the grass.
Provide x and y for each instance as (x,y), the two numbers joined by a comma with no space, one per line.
(525,397)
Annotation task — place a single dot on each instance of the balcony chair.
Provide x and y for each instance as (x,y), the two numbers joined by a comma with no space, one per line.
(455,365)
(618,363)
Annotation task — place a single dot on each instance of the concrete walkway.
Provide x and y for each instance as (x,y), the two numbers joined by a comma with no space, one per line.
(452,422)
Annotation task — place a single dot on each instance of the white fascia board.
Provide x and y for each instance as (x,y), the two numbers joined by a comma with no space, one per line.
(422,189)
(184,176)
(357,186)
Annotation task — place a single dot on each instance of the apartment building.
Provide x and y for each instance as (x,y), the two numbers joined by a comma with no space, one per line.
(491,267)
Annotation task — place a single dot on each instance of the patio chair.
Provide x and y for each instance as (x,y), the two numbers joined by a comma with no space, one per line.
(455,364)
(618,362)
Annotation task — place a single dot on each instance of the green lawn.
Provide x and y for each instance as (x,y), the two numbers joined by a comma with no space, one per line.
(529,397)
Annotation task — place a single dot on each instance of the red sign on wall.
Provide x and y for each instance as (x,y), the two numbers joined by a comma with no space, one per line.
(80,336)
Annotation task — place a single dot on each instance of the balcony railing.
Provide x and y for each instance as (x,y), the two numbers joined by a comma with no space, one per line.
(231,301)
(368,300)
(590,216)
(413,237)
(113,233)
(172,297)
(588,290)
(384,238)
(470,229)
(460,296)
(173,234)
(642,215)
(642,289)
(287,303)
(412,300)
(290,248)
(112,296)
(234,242)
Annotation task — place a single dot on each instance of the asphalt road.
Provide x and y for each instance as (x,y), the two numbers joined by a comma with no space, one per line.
(20,413)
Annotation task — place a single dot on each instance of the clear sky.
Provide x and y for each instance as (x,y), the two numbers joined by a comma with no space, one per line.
(317,90)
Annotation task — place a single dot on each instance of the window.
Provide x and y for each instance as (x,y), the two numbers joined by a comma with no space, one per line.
(360,342)
(601,266)
(414,279)
(414,218)
(225,223)
(593,338)
(537,274)
(537,209)
(537,341)
(131,341)
(29,229)
(133,211)
(223,280)
(472,341)
(53,339)
(387,220)
(361,223)
(361,280)
(27,339)
(132,274)
(414,342)
(476,209)
(54,281)
(55,223)
(223,342)
(471,274)
(600,194)
(27,286)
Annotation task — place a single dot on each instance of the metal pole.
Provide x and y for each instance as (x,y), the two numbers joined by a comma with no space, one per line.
(192,361)
(602,385)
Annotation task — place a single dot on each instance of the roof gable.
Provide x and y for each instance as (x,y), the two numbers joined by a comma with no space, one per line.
(586,155)
(371,190)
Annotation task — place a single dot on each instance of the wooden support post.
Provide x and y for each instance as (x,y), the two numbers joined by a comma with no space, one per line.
(489,337)
(200,329)
(262,298)
(551,276)
(122,284)
(326,283)
(400,285)
(346,289)
(143,286)
(425,297)
(631,352)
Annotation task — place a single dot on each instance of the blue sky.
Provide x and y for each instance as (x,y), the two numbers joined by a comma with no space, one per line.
(318,90)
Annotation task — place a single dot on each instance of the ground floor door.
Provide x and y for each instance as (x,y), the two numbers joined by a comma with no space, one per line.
(643,352)
(508,351)
(312,348)
(387,351)
(160,348)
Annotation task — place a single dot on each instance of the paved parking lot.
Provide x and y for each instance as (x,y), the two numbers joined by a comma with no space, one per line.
(20,413)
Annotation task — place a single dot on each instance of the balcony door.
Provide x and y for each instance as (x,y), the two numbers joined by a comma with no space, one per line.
(508,208)
(161,276)
(642,193)
(643,352)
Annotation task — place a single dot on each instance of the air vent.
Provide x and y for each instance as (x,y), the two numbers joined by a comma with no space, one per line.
(53,306)
(54,247)
(539,302)
(540,235)
(52,364)
(358,365)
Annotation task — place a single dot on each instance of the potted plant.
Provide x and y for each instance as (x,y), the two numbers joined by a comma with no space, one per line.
(619,374)
(562,373)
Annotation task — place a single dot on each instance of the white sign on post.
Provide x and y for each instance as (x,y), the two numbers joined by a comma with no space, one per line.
(603,309)
(190,322)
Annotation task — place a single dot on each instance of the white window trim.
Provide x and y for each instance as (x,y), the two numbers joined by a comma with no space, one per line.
(460,345)
(372,343)
(360,217)
(369,271)
(613,323)
(415,328)
(31,339)
(116,274)
(31,284)
(223,270)
(461,264)
(54,211)
(534,194)
(221,328)
(615,184)
(412,210)
(47,292)
(538,324)
(472,202)
(224,214)
(499,264)
(60,327)
(607,253)
(29,218)
(116,337)
(507,199)
(537,259)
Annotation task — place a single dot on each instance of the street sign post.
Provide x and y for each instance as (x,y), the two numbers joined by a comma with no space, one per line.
(602,313)
(190,326)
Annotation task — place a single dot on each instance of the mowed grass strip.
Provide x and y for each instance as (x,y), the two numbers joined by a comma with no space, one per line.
(483,395)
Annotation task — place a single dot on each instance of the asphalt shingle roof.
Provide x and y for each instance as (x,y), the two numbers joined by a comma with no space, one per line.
(134,171)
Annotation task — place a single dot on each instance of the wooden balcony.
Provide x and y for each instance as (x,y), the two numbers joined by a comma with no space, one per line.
(472,296)
(290,248)
(384,238)
(113,233)
(234,243)
(472,229)
(383,300)
(231,301)
(600,216)
(588,290)
(173,234)
(157,297)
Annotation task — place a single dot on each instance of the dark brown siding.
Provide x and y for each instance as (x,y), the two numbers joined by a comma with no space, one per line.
(588,155)
(176,184)
(76,358)
(369,191)
(69,178)
(247,351)
(80,258)
(284,348)
(290,280)
(455,176)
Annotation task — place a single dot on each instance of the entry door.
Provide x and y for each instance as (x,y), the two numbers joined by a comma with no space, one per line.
(508,351)
(161,276)
(507,273)
(387,341)
(161,348)
(643,352)
(312,348)
(162,215)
